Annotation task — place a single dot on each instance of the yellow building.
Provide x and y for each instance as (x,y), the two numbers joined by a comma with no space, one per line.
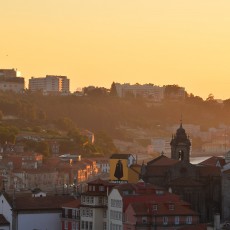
(123,169)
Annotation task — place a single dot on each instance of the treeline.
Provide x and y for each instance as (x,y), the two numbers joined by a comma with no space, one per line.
(107,113)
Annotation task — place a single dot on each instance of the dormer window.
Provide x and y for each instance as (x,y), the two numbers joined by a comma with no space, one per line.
(155,207)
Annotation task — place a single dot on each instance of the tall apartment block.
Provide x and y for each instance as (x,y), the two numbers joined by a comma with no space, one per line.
(10,81)
(50,84)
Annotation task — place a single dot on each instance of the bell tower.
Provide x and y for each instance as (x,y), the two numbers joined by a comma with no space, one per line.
(180,145)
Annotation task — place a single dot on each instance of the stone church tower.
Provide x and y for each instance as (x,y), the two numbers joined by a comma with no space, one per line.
(180,145)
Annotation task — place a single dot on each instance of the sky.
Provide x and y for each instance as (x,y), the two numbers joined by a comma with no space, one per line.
(96,42)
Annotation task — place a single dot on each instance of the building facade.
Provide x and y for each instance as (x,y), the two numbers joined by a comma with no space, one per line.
(51,84)
(10,81)
(199,185)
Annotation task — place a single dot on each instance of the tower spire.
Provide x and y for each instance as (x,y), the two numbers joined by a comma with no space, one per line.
(181,116)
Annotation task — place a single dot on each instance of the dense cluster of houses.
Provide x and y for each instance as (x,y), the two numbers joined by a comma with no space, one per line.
(165,193)
(103,205)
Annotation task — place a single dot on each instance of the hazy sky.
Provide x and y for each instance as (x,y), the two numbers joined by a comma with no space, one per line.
(96,42)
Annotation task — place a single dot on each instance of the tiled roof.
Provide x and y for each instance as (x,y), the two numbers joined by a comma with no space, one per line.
(72,204)
(142,208)
(162,161)
(120,156)
(41,203)
(152,198)
(98,182)
(3,221)
(212,161)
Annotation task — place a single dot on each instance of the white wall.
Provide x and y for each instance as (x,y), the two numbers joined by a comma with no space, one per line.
(5,210)
(39,221)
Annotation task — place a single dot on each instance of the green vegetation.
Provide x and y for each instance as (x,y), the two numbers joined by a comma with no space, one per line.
(102,113)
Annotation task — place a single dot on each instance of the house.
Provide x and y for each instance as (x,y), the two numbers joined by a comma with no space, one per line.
(27,212)
(103,165)
(43,177)
(94,205)
(70,218)
(159,215)
(145,206)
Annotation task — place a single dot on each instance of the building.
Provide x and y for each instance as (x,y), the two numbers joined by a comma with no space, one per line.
(94,205)
(103,165)
(10,81)
(27,212)
(156,93)
(145,206)
(199,185)
(159,215)
(71,215)
(51,84)
(123,168)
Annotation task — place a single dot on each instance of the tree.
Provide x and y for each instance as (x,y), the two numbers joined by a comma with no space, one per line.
(113,90)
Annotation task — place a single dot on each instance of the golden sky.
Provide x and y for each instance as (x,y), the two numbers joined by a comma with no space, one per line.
(96,42)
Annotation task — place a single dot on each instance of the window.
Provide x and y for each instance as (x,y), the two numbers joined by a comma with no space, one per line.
(144,219)
(66,212)
(101,188)
(66,225)
(104,226)
(90,225)
(73,226)
(189,220)
(165,220)
(83,224)
(177,219)
(155,207)
(73,213)
(100,200)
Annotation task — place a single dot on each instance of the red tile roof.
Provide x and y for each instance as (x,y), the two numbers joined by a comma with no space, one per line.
(146,208)
(212,161)
(162,161)
(41,203)
(149,198)
(72,204)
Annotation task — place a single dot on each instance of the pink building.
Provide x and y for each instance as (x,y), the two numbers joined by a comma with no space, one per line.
(71,215)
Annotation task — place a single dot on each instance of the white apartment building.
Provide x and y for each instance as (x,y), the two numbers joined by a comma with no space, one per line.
(94,206)
(10,81)
(156,93)
(50,84)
